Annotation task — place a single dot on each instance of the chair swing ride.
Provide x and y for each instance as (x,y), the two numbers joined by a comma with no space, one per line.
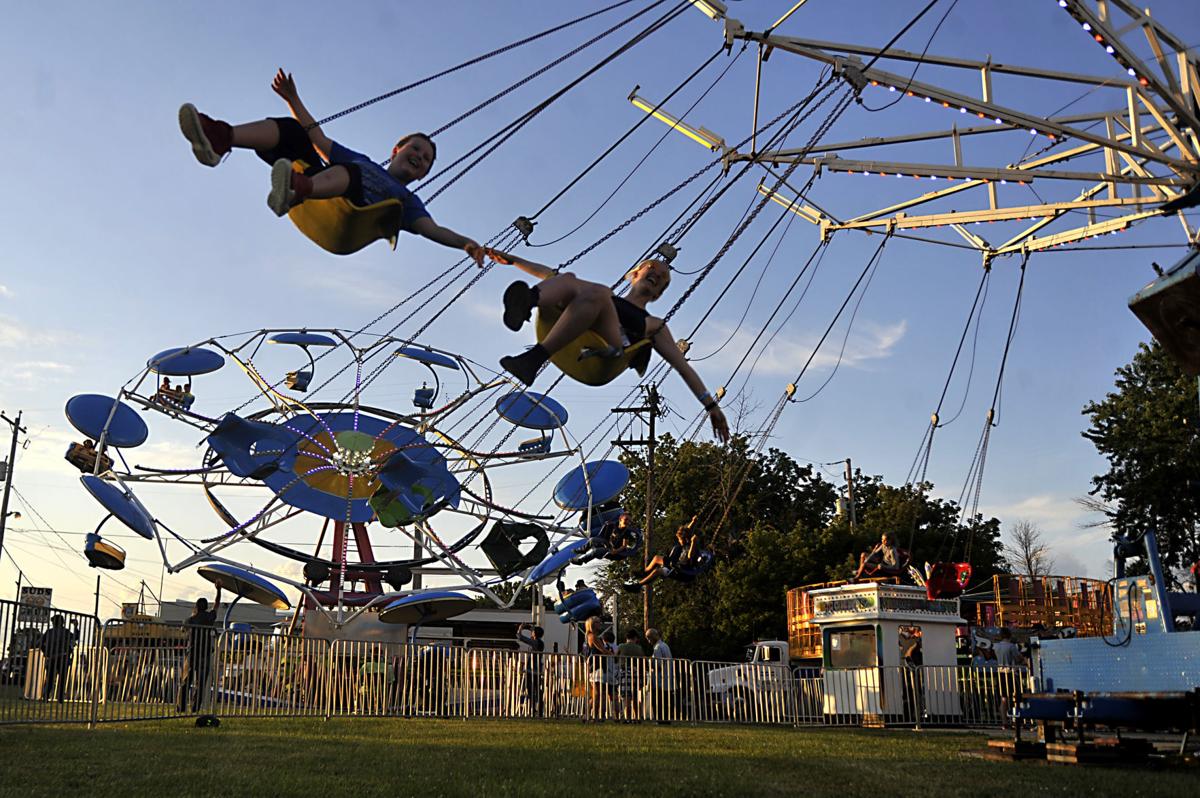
(351,464)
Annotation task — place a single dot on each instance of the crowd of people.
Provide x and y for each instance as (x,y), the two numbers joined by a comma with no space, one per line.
(626,683)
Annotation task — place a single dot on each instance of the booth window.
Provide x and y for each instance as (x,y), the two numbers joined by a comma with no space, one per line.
(852,648)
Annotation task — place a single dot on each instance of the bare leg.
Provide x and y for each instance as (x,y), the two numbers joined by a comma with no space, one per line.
(331,182)
(585,306)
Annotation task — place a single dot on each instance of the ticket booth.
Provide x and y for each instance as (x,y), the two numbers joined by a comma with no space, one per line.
(882,645)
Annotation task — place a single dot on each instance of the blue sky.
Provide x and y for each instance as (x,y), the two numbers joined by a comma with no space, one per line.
(118,244)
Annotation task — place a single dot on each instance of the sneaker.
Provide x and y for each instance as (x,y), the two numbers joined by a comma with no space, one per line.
(288,187)
(519,301)
(211,139)
(520,367)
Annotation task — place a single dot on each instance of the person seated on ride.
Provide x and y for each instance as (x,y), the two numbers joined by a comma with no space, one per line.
(684,554)
(622,536)
(166,391)
(327,169)
(83,456)
(883,560)
(177,395)
(581,306)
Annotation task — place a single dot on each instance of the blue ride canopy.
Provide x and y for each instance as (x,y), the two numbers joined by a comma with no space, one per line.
(427,356)
(185,361)
(557,561)
(606,477)
(302,339)
(89,412)
(291,456)
(120,502)
(531,410)
(421,608)
(578,606)
(244,584)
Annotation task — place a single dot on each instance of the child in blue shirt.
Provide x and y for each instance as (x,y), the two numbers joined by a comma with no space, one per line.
(330,169)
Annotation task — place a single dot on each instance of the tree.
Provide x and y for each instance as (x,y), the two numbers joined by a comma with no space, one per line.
(1147,429)
(1028,551)
(708,619)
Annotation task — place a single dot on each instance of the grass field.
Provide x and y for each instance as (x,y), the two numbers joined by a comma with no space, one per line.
(395,757)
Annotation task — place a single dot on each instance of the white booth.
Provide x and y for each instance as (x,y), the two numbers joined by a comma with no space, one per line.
(879,644)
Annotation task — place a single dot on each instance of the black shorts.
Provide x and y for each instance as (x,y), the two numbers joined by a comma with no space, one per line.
(294,145)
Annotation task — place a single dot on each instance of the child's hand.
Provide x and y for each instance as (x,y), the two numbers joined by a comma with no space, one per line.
(720,426)
(285,86)
(498,256)
(475,251)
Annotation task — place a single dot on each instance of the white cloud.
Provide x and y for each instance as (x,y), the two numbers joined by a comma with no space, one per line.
(14,334)
(6,292)
(787,353)
(36,372)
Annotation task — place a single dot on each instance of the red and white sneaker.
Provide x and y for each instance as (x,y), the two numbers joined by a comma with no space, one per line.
(211,139)
(288,187)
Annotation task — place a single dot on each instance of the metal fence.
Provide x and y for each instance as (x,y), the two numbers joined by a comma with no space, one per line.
(133,670)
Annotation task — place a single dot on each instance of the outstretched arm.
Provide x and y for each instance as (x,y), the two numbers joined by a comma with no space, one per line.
(664,344)
(538,270)
(217,601)
(428,228)
(285,86)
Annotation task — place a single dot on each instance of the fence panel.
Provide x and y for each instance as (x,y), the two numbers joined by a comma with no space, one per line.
(48,664)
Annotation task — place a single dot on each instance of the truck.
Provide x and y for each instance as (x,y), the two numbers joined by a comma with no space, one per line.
(765,688)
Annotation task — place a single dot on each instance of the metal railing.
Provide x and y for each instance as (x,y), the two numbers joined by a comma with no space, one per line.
(48,661)
(135,670)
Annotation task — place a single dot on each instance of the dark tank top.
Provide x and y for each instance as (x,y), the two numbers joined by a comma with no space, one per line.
(633,325)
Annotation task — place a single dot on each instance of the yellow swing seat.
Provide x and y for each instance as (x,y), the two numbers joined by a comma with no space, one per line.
(594,371)
(339,226)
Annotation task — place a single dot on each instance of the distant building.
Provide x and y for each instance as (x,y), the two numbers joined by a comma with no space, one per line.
(260,618)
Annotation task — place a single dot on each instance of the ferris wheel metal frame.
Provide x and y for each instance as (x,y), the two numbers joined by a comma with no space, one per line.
(1141,178)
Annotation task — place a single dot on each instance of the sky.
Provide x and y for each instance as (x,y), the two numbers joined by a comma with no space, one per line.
(117,244)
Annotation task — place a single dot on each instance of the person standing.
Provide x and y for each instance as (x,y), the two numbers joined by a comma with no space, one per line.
(196,665)
(1007,653)
(58,646)
(660,683)
(628,654)
(533,646)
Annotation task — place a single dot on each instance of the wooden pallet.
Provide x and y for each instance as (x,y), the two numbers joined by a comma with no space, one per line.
(1101,751)
(1013,750)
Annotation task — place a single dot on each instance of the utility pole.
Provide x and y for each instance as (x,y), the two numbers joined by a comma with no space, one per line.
(652,407)
(850,494)
(17,429)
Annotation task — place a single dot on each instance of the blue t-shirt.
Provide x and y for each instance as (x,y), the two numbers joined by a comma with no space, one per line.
(378,185)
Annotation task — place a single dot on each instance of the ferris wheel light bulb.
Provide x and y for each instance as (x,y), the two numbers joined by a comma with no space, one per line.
(1062,3)
(1087,27)
(1108,48)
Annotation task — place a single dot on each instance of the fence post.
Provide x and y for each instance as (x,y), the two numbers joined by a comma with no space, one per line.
(97,675)
(329,675)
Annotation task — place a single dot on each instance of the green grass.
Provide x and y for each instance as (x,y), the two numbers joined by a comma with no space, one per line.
(397,757)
